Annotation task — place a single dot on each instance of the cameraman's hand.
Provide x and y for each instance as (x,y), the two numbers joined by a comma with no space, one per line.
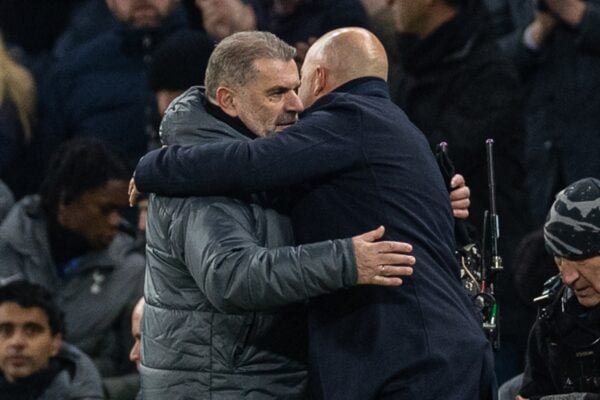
(381,263)
(569,11)
(460,196)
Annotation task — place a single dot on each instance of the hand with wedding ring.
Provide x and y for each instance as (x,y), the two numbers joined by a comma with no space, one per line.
(381,263)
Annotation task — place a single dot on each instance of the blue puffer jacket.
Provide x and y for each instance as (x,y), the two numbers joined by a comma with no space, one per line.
(100,89)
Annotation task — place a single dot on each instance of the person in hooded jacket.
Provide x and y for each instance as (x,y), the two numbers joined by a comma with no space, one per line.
(35,363)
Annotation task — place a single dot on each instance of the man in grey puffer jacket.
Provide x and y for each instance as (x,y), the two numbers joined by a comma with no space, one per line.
(224,317)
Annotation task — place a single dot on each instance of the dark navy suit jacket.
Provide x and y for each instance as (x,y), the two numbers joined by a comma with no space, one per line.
(358,162)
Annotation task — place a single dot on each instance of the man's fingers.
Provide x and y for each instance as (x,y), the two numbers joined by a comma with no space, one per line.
(390,270)
(386,281)
(133,193)
(392,247)
(131,186)
(457,181)
(460,214)
(460,194)
(371,236)
(395,259)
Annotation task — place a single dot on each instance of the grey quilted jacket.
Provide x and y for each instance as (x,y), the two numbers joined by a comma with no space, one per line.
(224,317)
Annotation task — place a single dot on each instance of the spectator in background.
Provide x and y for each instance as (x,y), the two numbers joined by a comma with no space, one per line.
(178,63)
(88,19)
(101,89)
(221,18)
(67,239)
(559,58)
(136,324)
(297,22)
(17,118)
(507,19)
(459,88)
(35,362)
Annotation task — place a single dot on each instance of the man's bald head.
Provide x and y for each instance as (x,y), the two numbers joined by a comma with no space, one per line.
(339,57)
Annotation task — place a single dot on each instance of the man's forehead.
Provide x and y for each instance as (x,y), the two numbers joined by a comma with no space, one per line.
(11,312)
(272,73)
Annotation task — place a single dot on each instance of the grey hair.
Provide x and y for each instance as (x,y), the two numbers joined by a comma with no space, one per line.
(232,60)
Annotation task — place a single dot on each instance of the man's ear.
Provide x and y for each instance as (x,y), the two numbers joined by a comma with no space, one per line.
(226,101)
(56,344)
(320,77)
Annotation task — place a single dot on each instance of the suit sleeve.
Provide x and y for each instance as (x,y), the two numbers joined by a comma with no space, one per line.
(237,274)
(314,148)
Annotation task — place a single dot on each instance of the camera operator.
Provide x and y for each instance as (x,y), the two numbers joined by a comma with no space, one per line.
(563,357)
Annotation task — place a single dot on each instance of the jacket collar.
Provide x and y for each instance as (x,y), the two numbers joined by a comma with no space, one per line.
(369,85)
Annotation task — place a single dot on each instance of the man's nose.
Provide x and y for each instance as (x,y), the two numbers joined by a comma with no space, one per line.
(293,102)
(568,273)
(17,339)
(134,354)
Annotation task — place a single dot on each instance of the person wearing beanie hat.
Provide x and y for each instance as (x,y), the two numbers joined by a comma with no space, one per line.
(572,228)
(177,64)
(563,356)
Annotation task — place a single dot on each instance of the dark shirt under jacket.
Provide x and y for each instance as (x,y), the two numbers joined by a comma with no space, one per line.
(364,164)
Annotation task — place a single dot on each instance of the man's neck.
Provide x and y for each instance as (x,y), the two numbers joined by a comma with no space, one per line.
(65,245)
(215,111)
(30,387)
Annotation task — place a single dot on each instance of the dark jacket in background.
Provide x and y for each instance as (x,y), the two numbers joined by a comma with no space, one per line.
(562,118)
(458,89)
(13,168)
(360,163)
(313,18)
(216,280)
(101,90)
(71,375)
(97,297)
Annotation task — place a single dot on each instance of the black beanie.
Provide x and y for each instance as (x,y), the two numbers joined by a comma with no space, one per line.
(180,61)
(572,228)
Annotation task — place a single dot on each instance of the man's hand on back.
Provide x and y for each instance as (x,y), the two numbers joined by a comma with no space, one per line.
(381,263)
